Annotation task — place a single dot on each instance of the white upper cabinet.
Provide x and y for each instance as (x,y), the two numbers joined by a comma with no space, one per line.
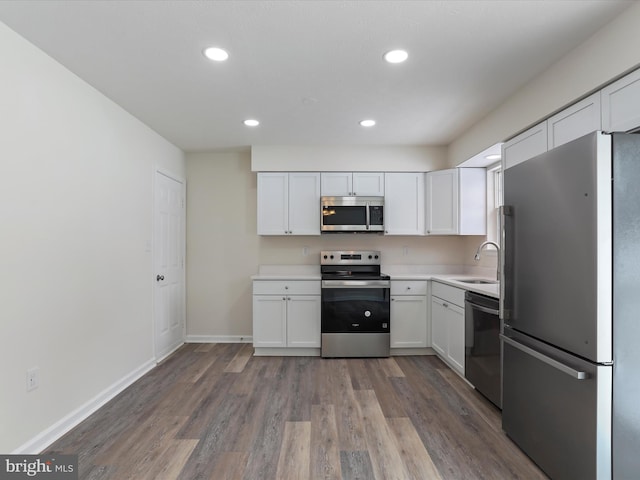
(528,144)
(621,104)
(404,203)
(304,203)
(288,203)
(346,184)
(574,122)
(273,203)
(456,202)
(368,184)
(442,202)
(336,184)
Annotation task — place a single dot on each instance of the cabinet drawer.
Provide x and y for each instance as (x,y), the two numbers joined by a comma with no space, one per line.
(286,287)
(408,287)
(446,292)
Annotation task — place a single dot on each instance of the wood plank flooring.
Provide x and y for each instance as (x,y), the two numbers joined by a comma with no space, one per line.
(215,412)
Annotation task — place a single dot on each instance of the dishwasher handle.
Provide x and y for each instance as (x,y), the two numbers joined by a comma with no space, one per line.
(491,311)
(577,374)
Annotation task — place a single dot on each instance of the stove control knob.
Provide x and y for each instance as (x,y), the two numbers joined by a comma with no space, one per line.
(325,257)
(331,257)
(376,257)
(370,257)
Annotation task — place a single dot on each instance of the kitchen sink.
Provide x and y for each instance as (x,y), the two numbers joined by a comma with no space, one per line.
(476,281)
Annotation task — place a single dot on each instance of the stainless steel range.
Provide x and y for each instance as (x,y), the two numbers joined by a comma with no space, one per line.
(355,305)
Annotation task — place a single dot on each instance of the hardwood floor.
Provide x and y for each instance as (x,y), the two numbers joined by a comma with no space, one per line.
(213,411)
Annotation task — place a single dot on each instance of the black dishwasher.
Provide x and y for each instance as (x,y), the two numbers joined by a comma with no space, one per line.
(483,359)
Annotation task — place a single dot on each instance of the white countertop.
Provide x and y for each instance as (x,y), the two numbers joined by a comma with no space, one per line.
(309,272)
(490,289)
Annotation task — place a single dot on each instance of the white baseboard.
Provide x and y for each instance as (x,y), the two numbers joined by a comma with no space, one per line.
(286,352)
(219,339)
(41,441)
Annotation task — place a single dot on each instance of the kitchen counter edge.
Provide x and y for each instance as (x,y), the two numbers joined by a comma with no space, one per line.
(492,290)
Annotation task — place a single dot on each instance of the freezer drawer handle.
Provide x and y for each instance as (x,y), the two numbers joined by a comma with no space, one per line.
(549,361)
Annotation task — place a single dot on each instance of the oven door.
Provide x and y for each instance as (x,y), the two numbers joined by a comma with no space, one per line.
(355,306)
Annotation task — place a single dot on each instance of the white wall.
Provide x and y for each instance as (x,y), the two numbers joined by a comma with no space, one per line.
(609,53)
(289,158)
(224,250)
(76,220)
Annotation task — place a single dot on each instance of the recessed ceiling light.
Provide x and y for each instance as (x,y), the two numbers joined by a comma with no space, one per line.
(495,156)
(251,122)
(396,56)
(216,54)
(367,123)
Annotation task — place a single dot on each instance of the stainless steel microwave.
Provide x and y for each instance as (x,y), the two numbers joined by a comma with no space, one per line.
(352,214)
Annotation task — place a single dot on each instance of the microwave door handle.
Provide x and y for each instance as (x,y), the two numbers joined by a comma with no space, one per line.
(368,215)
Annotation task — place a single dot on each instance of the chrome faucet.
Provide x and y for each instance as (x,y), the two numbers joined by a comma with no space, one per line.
(482,245)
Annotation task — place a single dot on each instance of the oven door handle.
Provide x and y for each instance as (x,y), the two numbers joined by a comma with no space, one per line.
(490,311)
(355,284)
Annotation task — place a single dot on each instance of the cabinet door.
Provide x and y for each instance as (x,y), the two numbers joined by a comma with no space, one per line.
(439,327)
(368,184)
(336,184)
(442,202)
(455,325)
(273,203)
(304,203)
(409,327)
(404,204)
(303,321)
(527,145)
(574,122)
(269,321)
(472,198)
(621,104)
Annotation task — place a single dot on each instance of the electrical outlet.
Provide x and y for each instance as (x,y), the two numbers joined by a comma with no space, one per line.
(33,378)
(405,251)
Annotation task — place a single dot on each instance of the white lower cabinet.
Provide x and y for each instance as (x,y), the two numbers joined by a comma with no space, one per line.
(303,321)
(410,326)
(286,314)
(447,324)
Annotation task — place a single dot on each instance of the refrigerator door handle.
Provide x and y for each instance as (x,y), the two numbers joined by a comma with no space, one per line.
(578,375)
(504,212)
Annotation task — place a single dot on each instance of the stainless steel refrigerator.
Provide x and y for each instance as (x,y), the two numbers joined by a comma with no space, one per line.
(571,308)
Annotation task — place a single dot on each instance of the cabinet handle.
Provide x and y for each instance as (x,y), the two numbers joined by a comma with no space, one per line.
(284,298)
(286,287)
(288,298)
(445,305)
(393,299)
(408,288)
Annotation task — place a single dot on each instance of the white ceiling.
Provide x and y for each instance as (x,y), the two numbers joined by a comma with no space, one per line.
(308,70)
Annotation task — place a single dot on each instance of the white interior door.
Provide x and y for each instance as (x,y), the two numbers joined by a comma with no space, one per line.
(169,293)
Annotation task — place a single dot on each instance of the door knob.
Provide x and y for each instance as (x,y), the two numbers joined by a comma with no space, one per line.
(159,278)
